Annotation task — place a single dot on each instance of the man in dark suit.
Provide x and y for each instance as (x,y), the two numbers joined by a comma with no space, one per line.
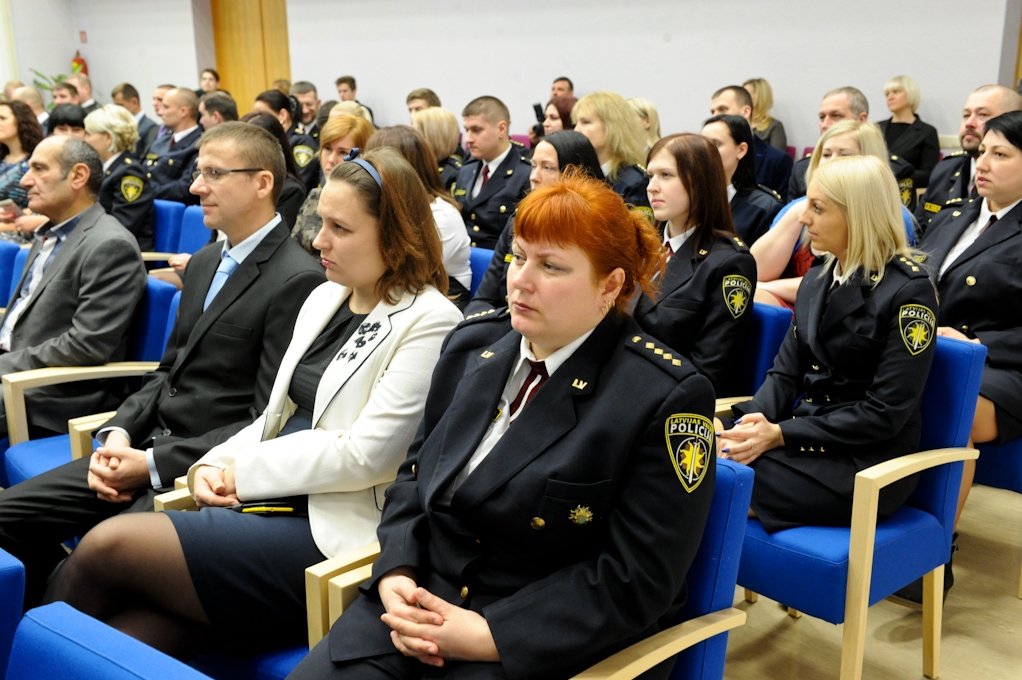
(238,308)
(169,159)
(84,85)
(77,295)
(127,96)
(844,103)
(305,93)
(773,166)
(491,184)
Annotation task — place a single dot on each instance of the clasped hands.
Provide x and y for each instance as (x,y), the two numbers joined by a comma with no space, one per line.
(752,436)
(117,471)
(432,630)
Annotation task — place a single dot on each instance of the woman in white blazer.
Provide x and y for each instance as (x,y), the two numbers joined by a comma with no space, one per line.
(306,480)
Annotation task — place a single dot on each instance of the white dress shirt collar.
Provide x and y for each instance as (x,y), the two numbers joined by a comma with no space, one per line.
(731,192)
(678,241)
(110,161)
(555,360)
(239,252)
(178,136)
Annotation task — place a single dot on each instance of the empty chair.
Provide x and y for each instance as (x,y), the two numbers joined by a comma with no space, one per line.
(194,233)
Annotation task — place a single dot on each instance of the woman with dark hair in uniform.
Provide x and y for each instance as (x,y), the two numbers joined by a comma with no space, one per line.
(844,392)
(288,112)
(553,155)
(540,499)
(293,194)
(753,207)
(703,307)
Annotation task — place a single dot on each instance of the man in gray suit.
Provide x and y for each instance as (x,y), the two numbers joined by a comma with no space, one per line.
(77,296)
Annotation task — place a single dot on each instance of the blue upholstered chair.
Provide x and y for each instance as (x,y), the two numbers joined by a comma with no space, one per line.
(194,233)
(769,326)
(1001,468)
(25,459)
(12,594)
(8,254)
(57,642)
(479,260)
(166,229)
(20,260)
(836,573)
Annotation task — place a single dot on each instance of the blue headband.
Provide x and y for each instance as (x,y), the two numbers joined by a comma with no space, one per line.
(353,158)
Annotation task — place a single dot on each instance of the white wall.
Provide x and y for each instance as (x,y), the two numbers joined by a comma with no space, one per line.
(45,36)
(675,52)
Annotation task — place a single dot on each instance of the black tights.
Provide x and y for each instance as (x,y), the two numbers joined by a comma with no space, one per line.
(130,572)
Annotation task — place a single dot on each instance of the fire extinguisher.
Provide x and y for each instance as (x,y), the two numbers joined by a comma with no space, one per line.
(78,64)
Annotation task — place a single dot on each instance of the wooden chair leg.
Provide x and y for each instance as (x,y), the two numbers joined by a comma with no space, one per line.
(794,613)
(933,612)
(1019,586)
(754,597)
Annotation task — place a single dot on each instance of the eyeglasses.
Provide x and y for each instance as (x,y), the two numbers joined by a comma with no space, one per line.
(212,174)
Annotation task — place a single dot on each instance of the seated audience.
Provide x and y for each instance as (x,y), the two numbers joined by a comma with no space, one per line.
(614,131)
(440,128)
(446,212)
(67,120)
(648,118)
(490,185)
(65,92)
(292,196)
(473,479)
(19,135)
(126,193)
(422,98)
(844,103)
(287,110)
(84,87)
(77,296)
(31,96)
(347,92)
(238,309)
(905,132)
(844,392)
(126,95)
(765,126)
(170,159)
(557,114)
(339,136)
(555,154)
(158,94)
(753,207)
(323,115)
(953,181)
(702,308)
(305,93)
(343,410)
(773,166)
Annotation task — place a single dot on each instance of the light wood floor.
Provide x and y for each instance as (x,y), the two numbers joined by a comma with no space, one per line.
(982,632)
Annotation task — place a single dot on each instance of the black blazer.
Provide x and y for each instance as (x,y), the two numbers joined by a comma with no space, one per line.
(949,186)
(147,130)
(753,212)
(449,168)
(171,169)
(486,214)
(773,167)
(847,382)
(216,374)
(919,145)
(127,195)
(630,183)
(290,202)
(981,294)
(303,148)
(584,494)
(703,308)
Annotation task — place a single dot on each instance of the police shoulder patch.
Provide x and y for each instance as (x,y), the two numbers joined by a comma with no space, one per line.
(690,444)
(303,155)
(918,325)
(131,188)
(737,294)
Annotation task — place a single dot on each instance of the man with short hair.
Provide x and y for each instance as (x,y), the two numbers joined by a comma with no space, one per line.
(490,185)
(64,92)
(347,92)
(305,93)
(216,108)
(237,312)
(125,94)
(953,179)
(170,157)
(158,94)
(31,97)
(773,166)
(844,103)
(422,98)
(84,86)
(562,87)
(77,295)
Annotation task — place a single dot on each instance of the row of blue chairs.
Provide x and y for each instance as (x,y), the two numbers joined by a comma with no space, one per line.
(177,228)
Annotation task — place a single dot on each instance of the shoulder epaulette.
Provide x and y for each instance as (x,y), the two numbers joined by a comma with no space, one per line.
(515,142)
(488,315)
(771,192)
(654,351)
(641,167)
(956,153)
(911,266)
(739,243)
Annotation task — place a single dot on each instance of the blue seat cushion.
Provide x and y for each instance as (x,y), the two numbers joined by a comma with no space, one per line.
(33,458)
(807,567)
(275,665)
(1000,466)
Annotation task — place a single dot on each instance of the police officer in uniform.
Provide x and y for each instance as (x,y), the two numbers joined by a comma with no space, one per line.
(449,169)
(503,513)
(491,184)
(305,93)
(844,392)
(287,110)
(703,306)
(170,158)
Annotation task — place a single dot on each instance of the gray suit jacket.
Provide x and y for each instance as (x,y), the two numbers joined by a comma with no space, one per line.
(79,316)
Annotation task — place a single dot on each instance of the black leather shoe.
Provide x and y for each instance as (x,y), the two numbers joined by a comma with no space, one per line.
(911,596)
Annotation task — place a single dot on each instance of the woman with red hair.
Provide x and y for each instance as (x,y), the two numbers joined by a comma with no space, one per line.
(525,533)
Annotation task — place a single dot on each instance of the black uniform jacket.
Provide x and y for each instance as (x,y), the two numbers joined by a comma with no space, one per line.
(492,290)
(949,186)
(127,195)
(147,130)
(773,167)
(171,169)
(449,168)
(703,309)
(216,375)
(847,382)
(630,184)
(797,183)
(303,148)
(919,146)
(753,212)
(486,214)
(574,536)
(981,294)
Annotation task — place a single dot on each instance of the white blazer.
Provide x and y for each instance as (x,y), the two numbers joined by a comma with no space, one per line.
(368,406)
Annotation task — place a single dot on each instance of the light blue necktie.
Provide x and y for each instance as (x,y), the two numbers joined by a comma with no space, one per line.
(223,272)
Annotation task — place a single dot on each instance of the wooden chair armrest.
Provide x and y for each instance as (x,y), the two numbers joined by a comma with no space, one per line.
(640,657)
(181,483)
(81,430)
(343,589)
(317,578)
(724,404)
(157,257)
(15,385)
(888,472)
(178,499)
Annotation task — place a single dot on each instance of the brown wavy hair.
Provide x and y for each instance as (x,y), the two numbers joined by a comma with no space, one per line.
(29,131)
(417,151)
(409,240)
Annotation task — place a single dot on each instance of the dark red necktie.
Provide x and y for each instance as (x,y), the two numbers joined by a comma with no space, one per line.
(537,376)
(993,218)
(171,147)
(486,175)
(670,251)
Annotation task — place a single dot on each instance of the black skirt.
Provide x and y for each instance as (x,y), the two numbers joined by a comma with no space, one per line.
(249,573)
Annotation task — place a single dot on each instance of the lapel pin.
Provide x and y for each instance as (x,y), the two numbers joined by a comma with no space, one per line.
(956,213)
(579,384)
(487,354)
